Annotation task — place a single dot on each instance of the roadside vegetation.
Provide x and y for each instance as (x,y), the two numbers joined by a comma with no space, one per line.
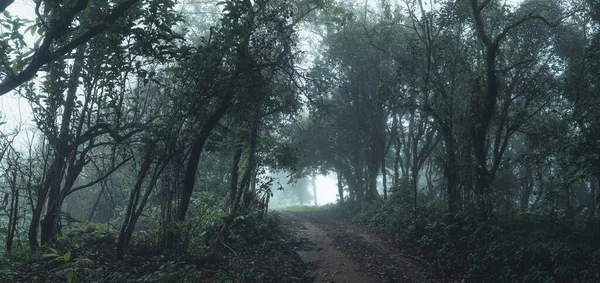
(257,250)
(150,140)
(523,247)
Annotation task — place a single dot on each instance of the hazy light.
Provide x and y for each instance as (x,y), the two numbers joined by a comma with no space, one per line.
(326,189)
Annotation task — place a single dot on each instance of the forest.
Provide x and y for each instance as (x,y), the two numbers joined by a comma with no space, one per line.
(182,141)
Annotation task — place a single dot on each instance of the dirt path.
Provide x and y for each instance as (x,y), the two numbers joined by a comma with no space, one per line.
(340,251)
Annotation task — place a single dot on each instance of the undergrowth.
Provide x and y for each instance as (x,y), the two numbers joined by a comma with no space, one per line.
(255,251)
(503,248)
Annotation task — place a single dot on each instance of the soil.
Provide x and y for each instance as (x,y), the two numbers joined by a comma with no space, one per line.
(337,250)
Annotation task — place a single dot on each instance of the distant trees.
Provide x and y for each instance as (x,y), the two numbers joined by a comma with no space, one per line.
(467,91)
(347,133)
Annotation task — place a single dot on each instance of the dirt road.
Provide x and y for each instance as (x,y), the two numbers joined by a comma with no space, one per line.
(337,250)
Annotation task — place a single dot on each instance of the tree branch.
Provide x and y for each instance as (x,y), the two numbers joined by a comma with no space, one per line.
(515,65)
(483,5)
(521,21)
(479,27)
(100,178)
(42,56)
(4,4)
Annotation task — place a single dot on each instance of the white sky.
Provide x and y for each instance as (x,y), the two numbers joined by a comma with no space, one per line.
(326,189)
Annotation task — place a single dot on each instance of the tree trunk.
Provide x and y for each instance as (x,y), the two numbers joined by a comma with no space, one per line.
(568,203)
(314,187)
(414,185)
(384,178)
(541,190)
(189,178)
(243,189)
(527,188)
(52,173)
(136,205)
(397,161)
(50,226)
(358,169)
(14,212)
(123,240)
(96,203)
(250,171)
(451,172)
(125,237)
(353,187)
(170,185)
(372,193)
(340,186)
(594,196)
(233,183)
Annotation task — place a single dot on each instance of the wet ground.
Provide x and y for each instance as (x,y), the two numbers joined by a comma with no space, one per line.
(338,250)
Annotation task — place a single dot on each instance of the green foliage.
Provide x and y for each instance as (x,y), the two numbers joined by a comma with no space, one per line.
(74,269)
(253,229)
(12,43)
(507,248)
(173,271)
(98,230)
(204,220)
(393,64)
(9,264)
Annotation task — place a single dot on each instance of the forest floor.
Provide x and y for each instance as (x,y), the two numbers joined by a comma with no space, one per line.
(305,246)
(337,250)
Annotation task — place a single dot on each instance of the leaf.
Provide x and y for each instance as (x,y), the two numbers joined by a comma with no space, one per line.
(32,29)
(53,250)
(84,261)
(70,276)
(3,230)
(67,256)
(50,255)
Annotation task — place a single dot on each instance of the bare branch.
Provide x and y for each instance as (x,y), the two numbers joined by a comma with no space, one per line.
(100,178)
(516,65)
(521,21)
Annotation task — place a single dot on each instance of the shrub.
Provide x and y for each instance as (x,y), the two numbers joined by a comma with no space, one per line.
(505,248)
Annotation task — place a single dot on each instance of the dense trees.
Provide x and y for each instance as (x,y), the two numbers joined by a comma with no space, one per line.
(139,98)
(62,31)
(469,80)
(483,109)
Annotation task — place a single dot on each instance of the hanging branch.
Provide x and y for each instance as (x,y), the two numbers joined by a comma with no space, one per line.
(43,55)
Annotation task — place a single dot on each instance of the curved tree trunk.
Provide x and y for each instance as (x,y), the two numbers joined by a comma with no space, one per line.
(189,178)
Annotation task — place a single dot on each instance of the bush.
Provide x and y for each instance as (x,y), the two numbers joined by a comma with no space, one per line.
(505,248)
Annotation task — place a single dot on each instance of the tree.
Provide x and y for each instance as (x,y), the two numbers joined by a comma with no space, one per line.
(75,125)
(484,103)
(257,57)
(62,33)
